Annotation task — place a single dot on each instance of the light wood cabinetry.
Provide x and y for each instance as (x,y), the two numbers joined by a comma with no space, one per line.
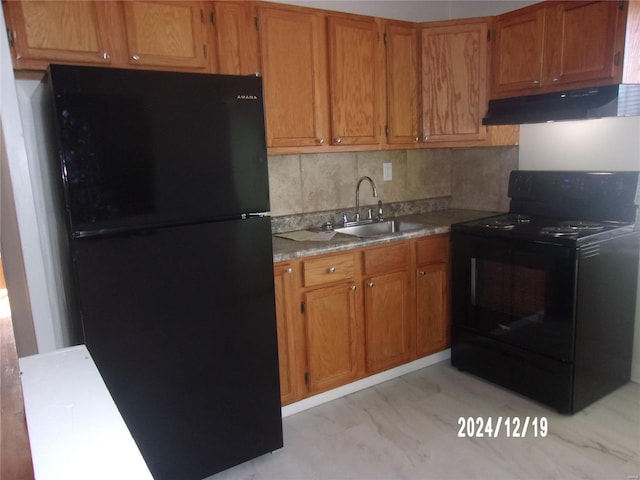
(163,34)
(332,333)
(556,45)
(388,316)
(284,300)
(432,294)
(234,38)
(402,60)
(294,56)
(355,79)
(343,316)
(454,86)
(332,336)
(61,31)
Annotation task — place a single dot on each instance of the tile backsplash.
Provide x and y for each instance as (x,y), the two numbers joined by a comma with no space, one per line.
(474,178)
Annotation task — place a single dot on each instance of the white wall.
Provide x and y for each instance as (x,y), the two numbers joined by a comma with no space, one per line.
(417,10)
(47,338)
(603,144)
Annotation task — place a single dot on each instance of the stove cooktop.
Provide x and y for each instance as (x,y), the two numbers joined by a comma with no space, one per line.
(542,228)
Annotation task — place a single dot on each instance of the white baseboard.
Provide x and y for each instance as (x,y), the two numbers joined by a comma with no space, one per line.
(367,382)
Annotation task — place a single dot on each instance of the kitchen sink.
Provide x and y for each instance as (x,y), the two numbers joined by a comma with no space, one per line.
(380,228)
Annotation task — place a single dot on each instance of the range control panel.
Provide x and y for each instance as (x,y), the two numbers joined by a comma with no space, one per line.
(587,187)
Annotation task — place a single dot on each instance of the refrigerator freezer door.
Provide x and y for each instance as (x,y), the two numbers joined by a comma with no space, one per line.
(144,148)
(181,324)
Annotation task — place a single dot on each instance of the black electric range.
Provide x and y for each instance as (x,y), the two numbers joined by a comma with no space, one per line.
(543,297)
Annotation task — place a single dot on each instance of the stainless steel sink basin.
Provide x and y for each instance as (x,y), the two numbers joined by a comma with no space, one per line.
(380,228)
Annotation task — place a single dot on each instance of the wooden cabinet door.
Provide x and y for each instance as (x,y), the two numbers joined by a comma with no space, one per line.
(235,36)
(454,87)
(283,281)
(166,34)
(388,323)
(64,32)
(432,329)
(332,338)
(581,42)
(402,50)
(517,52)
(356,80)
(293,49)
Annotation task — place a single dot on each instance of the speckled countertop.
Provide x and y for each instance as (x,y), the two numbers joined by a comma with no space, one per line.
(434,222)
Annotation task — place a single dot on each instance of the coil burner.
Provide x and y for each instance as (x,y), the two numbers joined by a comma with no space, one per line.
(572,228)
(507,222)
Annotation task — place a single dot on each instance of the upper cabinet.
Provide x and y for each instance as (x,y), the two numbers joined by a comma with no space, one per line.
(293,49)
(356,83)
(235,38)
(72,32)
(454,86)
(557,45)
(402,55)
(166,34)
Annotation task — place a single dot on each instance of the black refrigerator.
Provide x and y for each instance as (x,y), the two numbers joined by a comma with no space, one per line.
(161,183)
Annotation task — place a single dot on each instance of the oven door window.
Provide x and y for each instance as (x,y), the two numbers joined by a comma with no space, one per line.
(524,297)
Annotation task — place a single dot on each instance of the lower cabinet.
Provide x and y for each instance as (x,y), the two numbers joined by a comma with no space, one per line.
(432,295)
(344,316)
(284,299)
(332,337)
(388,315)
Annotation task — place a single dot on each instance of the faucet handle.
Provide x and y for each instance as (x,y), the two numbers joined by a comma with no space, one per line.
(344,218)
(380,212)
(369,215)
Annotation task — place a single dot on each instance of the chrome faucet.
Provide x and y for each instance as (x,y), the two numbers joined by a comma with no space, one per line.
(375,194)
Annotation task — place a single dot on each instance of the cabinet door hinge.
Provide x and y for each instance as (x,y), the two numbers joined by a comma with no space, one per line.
(616,59)
(204,51)
(256,23)
(212,19)
(10,37)
(386,130)
(302,307)
(621,5)
(384,38)
(202,16)
(488,35)
(306,378)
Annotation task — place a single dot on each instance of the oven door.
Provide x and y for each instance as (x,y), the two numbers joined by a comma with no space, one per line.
(518,293)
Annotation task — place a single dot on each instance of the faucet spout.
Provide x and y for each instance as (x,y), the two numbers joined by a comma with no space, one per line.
(373,188)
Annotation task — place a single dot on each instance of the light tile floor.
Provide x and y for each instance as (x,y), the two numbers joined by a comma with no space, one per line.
(408,428)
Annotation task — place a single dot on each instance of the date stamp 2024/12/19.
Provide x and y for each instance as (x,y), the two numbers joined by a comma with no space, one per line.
(508,427)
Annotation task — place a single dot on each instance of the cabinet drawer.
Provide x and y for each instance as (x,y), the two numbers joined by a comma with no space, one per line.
(386,259)
(328,269)
(432,249)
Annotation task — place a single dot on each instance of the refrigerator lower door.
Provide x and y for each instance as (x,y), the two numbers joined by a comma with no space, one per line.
(181,324)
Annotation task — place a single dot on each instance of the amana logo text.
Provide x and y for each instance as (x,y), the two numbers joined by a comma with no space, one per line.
(246,97)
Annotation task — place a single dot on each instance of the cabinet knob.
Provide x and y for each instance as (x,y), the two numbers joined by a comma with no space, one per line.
(370,284)
(535,82)
(288,270)
(338,140)
(555,79)
(105,56)
(321,141)
(332,270)
(353,288)
(425,138)
(135,57)
(422,273)
(416,139)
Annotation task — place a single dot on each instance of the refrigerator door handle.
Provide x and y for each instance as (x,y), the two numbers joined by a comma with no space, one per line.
(244,216)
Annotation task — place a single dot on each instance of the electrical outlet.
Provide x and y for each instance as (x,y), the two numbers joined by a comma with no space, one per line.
(387,171)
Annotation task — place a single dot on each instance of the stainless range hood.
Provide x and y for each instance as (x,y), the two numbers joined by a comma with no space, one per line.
(609,101)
